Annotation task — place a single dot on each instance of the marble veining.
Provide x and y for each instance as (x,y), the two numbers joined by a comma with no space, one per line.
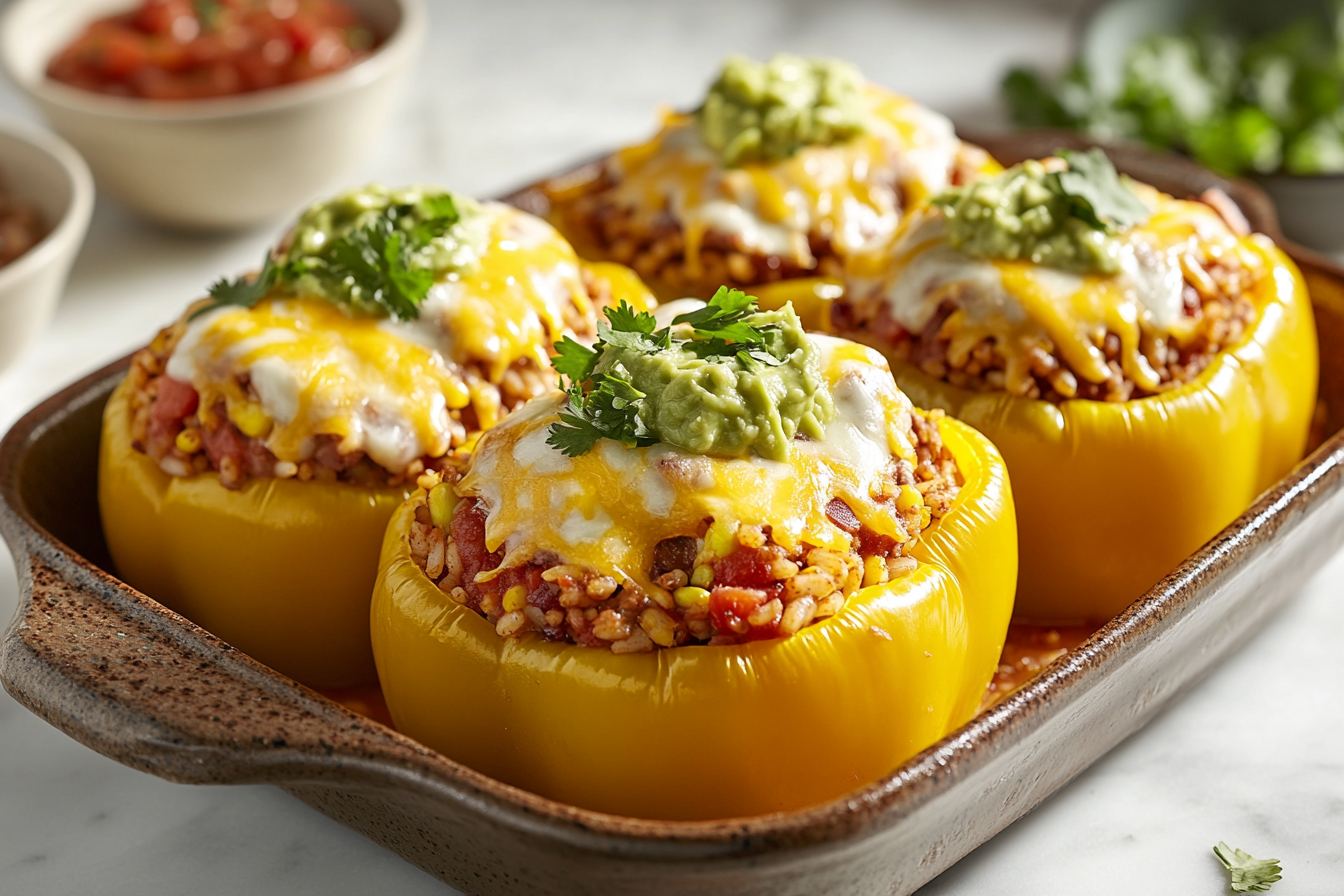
(512,90)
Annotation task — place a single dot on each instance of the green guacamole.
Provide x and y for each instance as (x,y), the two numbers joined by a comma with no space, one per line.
(728,406)
(339,247)
(767,111)
(1027,212)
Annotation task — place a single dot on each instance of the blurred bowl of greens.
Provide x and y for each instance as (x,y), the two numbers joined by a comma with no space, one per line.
(1248,89)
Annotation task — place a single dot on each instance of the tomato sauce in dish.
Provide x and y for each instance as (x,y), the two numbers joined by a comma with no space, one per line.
(196,49)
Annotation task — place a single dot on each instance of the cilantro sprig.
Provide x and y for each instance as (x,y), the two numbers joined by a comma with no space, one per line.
(1247,872)
(382,265)
(603,401)
(1096,194)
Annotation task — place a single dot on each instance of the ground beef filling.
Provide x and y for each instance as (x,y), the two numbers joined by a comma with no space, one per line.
(166,423)
(651,241)
(1223,314)
(714,586)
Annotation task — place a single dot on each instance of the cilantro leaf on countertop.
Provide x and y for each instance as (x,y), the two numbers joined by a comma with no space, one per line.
(1247,873)
(1097,195)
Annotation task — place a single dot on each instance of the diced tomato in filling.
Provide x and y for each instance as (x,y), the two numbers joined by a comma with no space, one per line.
(468,531)
(174,402)
(744,568)
(729,608)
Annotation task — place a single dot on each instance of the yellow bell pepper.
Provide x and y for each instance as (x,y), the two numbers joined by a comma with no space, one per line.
(280,569)
(713,732)
(1111,496)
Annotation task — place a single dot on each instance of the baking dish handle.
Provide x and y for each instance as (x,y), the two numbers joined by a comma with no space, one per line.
(134,681)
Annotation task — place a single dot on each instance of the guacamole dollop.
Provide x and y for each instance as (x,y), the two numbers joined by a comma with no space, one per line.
(767,111)
(726,379)
(1062,217)
(367,242)
(729,406)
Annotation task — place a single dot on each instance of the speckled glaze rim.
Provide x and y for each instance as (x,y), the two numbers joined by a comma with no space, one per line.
(203,713)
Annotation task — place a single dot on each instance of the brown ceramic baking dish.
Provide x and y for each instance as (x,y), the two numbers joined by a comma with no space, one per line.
(138,683)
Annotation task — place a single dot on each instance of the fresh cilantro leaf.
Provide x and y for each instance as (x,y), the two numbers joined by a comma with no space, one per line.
(574,435)
(1247,873)
(722,317)
(625,319)
(609,411)
(1096,193)
(373,265)
(634,341)
(606,404)
(574,360)
(243,291)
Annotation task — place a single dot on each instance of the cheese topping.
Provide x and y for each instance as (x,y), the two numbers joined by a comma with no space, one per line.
(380,385)
(607,509)
(1024,306)
(850,192)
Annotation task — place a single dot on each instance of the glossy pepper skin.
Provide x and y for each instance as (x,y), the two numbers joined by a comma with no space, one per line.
(1111,496)
(280,569)
(700,732)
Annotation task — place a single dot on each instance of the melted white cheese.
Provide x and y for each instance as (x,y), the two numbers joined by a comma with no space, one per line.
(610,506)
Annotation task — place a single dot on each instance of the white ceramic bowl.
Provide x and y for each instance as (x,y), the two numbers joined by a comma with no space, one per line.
(222,163)
(43,171)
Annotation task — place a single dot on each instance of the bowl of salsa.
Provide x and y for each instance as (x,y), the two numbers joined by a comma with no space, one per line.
(214,114)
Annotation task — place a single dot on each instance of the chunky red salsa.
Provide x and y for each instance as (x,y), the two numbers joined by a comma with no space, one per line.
(191,49)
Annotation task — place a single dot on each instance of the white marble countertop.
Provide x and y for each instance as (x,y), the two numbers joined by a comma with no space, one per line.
(510,90)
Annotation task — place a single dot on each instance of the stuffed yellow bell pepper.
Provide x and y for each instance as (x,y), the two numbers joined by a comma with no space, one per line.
(787,168)
(731,571)
(1146,366)
(252,457)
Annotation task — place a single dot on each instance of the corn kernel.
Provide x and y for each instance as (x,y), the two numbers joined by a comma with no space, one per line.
(250,419)
(442,502)
(909,497)
(690,596)
(515,598)
(720,538)
(874,571)
(188,441)
(702,576)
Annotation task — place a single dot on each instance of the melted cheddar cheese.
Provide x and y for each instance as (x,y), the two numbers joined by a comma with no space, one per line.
(1025,306)
(607,509)
(517,300)
(851,193)
(290,369)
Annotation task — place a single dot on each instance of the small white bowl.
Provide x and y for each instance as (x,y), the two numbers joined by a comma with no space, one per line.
(45,172)
(215,164)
